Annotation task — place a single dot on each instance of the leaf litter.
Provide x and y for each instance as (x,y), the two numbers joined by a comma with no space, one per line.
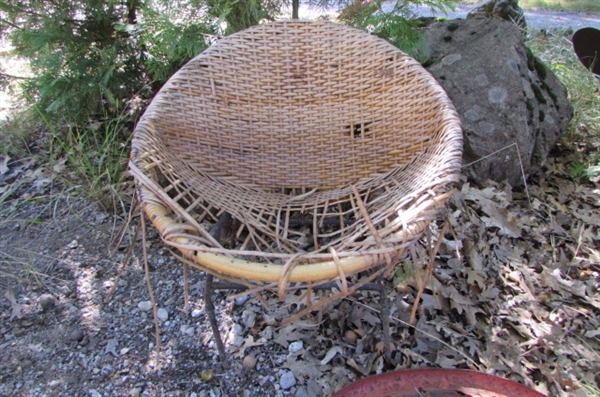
(513,292)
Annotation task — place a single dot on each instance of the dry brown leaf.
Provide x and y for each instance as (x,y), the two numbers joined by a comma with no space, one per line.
(331,353)
(248,342)
(304,366)
(448,358)
(361,314)
(16,308)
(496,216)
(475,278)
(287,334)
(4,165)
(353,364)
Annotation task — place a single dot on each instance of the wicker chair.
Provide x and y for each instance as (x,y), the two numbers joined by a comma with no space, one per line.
(330,149)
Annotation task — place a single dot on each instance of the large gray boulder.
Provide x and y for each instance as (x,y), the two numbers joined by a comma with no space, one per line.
(512,107)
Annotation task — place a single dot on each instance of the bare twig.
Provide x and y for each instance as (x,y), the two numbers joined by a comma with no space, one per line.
(520,164)
(186,289)
(210,312)
(124,264)
(149,285)
(13,77)
(372,229)
(339,295)
(432,253)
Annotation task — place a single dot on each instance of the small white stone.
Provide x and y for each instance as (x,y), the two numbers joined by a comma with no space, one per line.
(287,381)
(196,313)
(248,318)
(76,335)
(240,300)
(162,314)
(145,306)
(296,346)
(187,330)
(94,393)
(237,329)
(53,383)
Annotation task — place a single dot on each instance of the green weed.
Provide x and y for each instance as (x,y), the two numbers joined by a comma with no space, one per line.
(576,169)
(19,270)
(95,156)
(16,132)
(591,386)
(556,50)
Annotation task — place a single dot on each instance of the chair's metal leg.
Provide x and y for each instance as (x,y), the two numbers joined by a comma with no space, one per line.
(210,312)
(220,231)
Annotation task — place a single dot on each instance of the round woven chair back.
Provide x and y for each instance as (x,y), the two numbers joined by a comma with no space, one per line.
(300,131)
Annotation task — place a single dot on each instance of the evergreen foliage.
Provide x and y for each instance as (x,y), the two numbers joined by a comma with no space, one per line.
(83,67)
(393,21)
(91,57)
(241,14)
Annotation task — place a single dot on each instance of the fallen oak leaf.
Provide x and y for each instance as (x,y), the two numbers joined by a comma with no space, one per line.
(577,288)
(497,217)
(4,165)
(474,278)
(16,308)
(380,347)
(303,367)
(360,314)
(594,333)
(111,347)
(286,334)
(331,354)
(463,304)
(248,342)
(354,365)
(473,345)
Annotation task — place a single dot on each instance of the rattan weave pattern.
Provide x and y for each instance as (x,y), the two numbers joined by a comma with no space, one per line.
(301,131)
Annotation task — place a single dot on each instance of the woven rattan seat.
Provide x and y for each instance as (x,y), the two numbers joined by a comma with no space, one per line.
(331,150)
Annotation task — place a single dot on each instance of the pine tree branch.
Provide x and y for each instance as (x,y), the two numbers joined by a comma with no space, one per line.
(13,77)
(11,24)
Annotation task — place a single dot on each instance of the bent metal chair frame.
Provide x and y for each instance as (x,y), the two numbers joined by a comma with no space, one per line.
(330,149)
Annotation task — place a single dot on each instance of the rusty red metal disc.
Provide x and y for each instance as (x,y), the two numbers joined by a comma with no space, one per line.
(432,382)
